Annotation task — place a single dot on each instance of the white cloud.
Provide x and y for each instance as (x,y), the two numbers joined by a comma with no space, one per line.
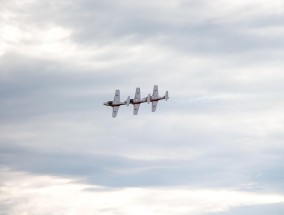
(45,42)
(221,61)
(23,193)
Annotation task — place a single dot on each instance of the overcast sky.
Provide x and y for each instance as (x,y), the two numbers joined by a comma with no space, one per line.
(215,148)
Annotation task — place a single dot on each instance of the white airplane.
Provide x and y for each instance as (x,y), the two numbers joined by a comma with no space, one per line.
(115,103)
(137,101)
(155,98)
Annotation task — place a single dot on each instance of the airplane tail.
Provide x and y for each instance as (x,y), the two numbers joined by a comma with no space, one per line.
(167,95)
(155,92)
(148,98)
(128,101)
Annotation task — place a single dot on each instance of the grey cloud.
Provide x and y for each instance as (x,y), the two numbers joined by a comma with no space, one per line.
(208,169)
(265,209)
(116,171)
(272,171)
(137,23)
(220,128)
(231,41)
(37,87)
(37,91)
(210,36)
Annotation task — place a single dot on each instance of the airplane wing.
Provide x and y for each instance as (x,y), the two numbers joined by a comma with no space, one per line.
(136,108)
(117,96)
(154,105)
(137,93)
(114,111)
(155,91)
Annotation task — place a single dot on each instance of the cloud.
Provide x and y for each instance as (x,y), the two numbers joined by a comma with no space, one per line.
(259,209)
(31,192)
(222,63)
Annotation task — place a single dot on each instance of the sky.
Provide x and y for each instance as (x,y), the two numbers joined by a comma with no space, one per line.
(214,148)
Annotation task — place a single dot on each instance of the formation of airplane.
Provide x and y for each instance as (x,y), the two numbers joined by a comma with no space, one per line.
(136,101)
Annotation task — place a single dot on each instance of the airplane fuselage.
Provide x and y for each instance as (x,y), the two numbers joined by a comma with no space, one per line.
(138,101)
(156,99)
(113,103)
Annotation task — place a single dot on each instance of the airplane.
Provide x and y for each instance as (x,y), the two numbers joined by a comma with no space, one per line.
(137,101)
(115,104)
(155,97)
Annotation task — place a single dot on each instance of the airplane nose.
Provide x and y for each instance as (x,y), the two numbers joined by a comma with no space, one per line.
(105,103)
